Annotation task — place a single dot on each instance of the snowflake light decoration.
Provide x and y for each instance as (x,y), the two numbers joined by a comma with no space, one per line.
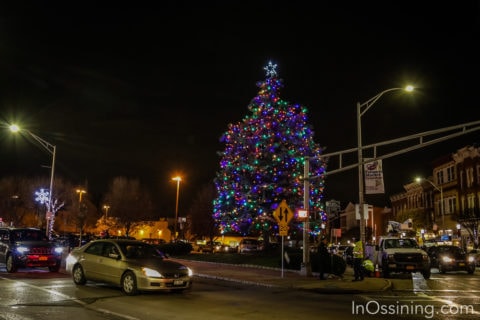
(42,196)
(271,69)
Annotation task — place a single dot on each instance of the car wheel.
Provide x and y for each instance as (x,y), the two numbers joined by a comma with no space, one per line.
(471,270)
(79,275)
(441,269)
(55,268)
(385,271)
(129,283)
(426,274)
(10,264)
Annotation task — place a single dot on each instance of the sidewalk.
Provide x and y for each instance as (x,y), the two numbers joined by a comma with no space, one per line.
(268,277)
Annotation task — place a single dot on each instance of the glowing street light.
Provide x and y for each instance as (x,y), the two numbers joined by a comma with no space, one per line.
(106,207)
(178,179)
(52,150)
(80,192)
(362,108)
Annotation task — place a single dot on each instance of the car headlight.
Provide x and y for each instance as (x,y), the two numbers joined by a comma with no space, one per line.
(151,273)
(190,272)
(471,259)
(22,250)
(447,259)
(58,250)
(71,260)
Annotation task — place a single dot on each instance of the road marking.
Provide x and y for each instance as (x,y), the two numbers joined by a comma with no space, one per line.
(419,282)
(74,299)
(420,287)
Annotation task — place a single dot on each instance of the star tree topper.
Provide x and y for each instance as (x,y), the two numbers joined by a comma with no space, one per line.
(271,69)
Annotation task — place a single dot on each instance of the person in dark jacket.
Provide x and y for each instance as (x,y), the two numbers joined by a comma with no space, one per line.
(324,258)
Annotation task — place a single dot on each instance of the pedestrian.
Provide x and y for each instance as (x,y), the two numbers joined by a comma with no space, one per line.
(323,257)
(357,260)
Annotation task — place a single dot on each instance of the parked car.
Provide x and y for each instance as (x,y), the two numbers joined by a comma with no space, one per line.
(155,241)
(249,245)
(433,255)
(132,265)
(476,254)
(451,258)
(28,247)
(72,240)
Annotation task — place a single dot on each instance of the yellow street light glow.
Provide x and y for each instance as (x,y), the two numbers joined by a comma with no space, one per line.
(80,192)
(178,179)
(14,128)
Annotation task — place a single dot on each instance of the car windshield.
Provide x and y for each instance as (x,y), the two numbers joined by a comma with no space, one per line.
(400,243)
(140,251)
(29,235)
(454,250)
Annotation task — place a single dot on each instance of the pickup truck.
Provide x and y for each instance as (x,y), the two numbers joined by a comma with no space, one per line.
(396,254)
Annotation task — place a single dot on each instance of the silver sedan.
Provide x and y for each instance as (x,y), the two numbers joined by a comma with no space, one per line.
(132,265)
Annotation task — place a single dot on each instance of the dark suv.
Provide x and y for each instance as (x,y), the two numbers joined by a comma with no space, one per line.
(28,247)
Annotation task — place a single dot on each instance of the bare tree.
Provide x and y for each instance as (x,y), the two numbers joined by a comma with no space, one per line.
(19,195)
(129,202)
(200,216)
(16,201)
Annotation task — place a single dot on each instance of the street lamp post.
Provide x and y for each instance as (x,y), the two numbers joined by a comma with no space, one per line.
(440,189)
(178,179)
(52,149)
(106,207)
(362,108)
(80,192)
(82,214)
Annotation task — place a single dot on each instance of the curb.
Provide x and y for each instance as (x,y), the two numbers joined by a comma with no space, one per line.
(246,282)
(312,285)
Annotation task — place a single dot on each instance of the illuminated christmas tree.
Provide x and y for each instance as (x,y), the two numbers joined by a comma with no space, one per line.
(263,163)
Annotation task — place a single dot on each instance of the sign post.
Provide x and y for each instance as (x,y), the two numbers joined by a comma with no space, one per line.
(283,214)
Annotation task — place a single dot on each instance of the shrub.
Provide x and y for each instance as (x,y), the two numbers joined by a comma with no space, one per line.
(175,248)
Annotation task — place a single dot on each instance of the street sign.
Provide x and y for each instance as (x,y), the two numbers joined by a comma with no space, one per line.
(302,215)
(283,214)
(283,229)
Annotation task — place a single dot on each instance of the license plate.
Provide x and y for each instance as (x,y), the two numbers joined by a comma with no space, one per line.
(461,264)
(177,282)
(42,258)
(410,267)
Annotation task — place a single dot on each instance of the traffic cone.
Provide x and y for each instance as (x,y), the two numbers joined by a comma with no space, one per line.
(377,272)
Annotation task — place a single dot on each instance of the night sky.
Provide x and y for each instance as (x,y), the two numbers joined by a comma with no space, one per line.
(146,89)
